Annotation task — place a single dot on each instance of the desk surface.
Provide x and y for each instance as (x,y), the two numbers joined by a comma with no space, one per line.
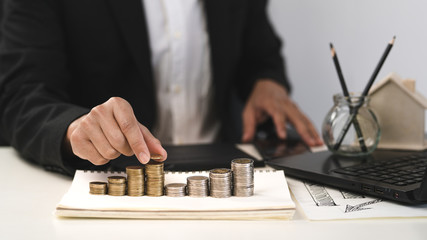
(29,195)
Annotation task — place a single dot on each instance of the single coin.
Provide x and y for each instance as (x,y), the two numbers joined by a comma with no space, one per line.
(134,170)
(156,156)
(242,161)
(116,179)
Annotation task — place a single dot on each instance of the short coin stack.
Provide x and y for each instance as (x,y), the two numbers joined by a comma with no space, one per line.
(155,178)
(98,188)
(175,190)
(220,182)
(198,186)
(116,186)
(243,177)
(135,178)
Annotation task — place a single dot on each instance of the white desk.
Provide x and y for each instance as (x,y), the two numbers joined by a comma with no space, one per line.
(29,195)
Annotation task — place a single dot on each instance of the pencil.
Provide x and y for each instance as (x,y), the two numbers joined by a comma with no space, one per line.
(338,68)
(347,95)
(364,93)
(378,68)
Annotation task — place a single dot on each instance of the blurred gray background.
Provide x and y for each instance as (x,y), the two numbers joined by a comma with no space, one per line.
(360,31)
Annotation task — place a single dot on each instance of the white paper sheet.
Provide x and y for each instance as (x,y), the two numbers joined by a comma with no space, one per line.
(325,203)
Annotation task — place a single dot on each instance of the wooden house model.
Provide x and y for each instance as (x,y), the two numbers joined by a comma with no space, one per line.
(401,113)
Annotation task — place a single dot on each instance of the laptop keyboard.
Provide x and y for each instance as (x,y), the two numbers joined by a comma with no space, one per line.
(399,171)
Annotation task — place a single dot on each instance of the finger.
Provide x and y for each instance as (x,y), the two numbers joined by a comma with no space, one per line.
(249,124)
(84,149)
(128,124)
(153,144)
(279,120)
(278,114)
(303,126)
(314,133)
(305,136)
(97,138)
(111,130)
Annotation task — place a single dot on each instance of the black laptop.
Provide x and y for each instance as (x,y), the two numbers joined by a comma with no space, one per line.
(395,175)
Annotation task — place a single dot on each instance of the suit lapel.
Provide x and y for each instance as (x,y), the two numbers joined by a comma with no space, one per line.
(217,25)
(130,17)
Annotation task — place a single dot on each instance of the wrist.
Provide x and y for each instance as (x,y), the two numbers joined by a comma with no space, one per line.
(67,138)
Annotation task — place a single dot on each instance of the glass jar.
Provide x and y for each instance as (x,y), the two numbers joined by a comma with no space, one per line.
(350,128)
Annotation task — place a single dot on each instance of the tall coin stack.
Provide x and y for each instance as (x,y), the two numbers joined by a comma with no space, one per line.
(155,178)
(116,186)
(198,186)
(175,190)
(243,177)
(135,177)
(220,182)
(98,188)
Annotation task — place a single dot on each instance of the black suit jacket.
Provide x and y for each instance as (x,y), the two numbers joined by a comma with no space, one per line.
(60,58)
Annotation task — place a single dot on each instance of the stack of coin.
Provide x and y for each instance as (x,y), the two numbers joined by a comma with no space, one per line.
(155,178)
(175,190)
(243,177)
(197,186)
(98,188)
(116,185)
(135,177)
(220,182)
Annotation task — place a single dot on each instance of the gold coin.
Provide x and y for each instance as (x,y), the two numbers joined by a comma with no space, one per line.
(116,189)
(97,184)
(134,170)
(116,179)
(98,188)
(155,178)
(156,156)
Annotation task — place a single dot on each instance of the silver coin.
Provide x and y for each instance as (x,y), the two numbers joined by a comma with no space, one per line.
(175,190)
(198,186)
(220,180)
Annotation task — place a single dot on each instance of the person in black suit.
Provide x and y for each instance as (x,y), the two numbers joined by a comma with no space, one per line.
(69,68)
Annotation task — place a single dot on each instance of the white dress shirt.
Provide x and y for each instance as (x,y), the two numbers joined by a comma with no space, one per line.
(182,72)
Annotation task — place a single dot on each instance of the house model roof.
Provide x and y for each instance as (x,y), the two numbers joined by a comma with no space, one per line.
(394,78)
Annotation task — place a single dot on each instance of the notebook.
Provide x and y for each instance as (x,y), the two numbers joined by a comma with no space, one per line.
(395,175)
(271,200)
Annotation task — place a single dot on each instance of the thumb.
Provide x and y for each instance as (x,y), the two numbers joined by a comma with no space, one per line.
(153,144)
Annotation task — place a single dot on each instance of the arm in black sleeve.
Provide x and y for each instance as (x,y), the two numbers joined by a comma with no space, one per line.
(34,107)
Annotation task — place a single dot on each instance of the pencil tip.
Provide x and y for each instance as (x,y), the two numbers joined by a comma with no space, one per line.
(332,49)
(392,41)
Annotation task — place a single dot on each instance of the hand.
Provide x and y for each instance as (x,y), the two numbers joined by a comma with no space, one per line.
(109,130)
(269,98)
